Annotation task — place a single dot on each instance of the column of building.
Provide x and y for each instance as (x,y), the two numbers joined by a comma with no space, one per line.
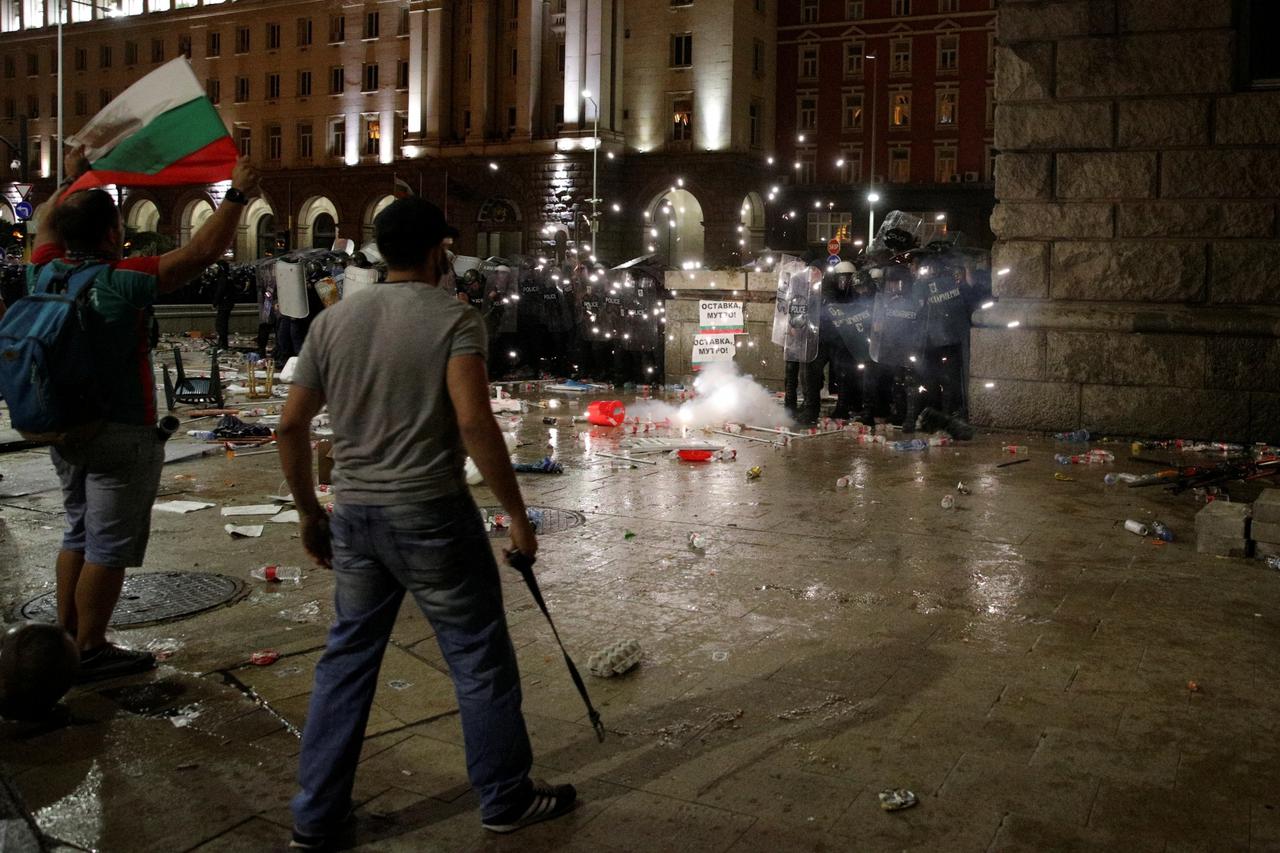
(529,63)
(435,35)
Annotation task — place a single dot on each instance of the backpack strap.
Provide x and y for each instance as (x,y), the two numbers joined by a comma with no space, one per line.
(72,281)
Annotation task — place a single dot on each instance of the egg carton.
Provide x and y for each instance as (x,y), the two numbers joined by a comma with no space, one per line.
(614,659)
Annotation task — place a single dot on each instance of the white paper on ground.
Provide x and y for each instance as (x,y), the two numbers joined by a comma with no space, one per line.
(289,515)
(255,509)
(251,531)
(181,506)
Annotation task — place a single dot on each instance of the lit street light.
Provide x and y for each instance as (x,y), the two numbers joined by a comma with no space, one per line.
(595,161)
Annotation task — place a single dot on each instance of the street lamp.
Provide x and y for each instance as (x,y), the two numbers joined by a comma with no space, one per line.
(595,161)
(871,179)
(872,198)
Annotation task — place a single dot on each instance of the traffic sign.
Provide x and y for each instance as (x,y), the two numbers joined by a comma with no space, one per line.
(24,191)
(833,246)
(24,210)
(832,260)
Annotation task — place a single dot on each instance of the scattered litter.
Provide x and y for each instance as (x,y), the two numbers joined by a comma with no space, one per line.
(628,535)
(1161,531)
(720,656)
(289,516)
(181,507)
(190,765)
(276,574)
(1076,436)
(1096,456)
(183,717)
(695,455)
(910,446)
(1273,562)
(550,421)
(1193,687)
(1015,449)
(546,465)
(614,659)
(399,685)
(163,649)
(266,657)
(962,489)
(844,482)
(697,541)
(309,612)
(1063,478)
(1112,479)
(247,531)
(625,458)
(897,799)
(1014,462)
(1136,527)
(606,413)
(754,472)
(948,502)
(674,733)
(254,509)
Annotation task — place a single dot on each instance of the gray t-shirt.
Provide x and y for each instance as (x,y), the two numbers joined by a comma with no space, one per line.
(379,357)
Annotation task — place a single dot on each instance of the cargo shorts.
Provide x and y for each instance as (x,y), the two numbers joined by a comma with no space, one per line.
(109,483)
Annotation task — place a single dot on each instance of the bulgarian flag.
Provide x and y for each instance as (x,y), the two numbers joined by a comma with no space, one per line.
(161,131)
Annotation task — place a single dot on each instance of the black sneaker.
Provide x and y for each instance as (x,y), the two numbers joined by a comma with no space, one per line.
(549,801)
(112,661)
(342,835)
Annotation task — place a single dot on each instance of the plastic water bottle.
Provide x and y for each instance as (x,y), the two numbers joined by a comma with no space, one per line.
(1015,449)
(1074,436)
(201,434)
(276,574)
(912,445)
(1273,562)
(1160,531)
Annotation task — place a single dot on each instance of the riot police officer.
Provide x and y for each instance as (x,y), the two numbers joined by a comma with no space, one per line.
(833,352)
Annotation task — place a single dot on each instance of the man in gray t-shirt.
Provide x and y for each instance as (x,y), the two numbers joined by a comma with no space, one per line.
(402,369)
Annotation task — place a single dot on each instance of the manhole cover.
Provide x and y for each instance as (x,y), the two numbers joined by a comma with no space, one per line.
(152,597)
(553,520)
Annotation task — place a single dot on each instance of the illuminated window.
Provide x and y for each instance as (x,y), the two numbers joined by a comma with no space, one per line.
(948,53)
(244,140)
(900,57)
(851,114)
(825,224)
(809,62)
(945,165)
(273,36)
(900,165)
(306,141)
(682,119)
(900,109)
(275,142)
(948,107)
(372,136)
(854,53)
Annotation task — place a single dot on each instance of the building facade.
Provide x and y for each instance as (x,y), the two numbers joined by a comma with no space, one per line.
(898,94)
(505,112)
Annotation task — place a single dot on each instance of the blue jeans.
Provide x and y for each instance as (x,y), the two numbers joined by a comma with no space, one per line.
(439,552)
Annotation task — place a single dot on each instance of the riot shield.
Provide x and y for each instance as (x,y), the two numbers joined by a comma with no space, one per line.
(948,321)
(897,233)
(529,307)
(265,274)
(898,323)
(797,310)
(557,293)
(591,324)
(614,313)
(356,279)
(850,322)
(291,289)
(643,329)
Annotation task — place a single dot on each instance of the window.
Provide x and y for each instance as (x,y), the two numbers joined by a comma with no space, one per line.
(757,57)
(242,39)
(213,45)
(851,170)
(337,29)
(306,143)
(511,121)
(851,111)
(402,133)
(854,10)
(402,25)
(808,62)
(948,6)
(337,80)
(806,172)
(991,163)
(184,46)
(104,96)
(273,36)
(900,108)
(275,142)
(948,107)
(370,77)
(244,140)
(372,136)
(402,74)
(854,53)
(682,50)
(242,89)
(304,84)
(900,57)
(755,118)
(53,105)
(807,112)
(826,224)
(33,106)
(157,50)
(304,32)
(372,23)
(82,103)
(273,86)
(81,59)
(760,6)
(131,53)
(10,68)
(213,88)
(682,119)
(104,56)
(337,137)
(1258,25)
(809,11)
(901,7)
(560,58)
(33,64)
(515,62)
(948,53)
(945,165)
(900,165)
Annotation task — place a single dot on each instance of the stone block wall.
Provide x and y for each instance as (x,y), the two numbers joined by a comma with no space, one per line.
(1137,181)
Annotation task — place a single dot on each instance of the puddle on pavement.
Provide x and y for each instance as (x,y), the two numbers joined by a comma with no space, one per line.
(77,817)
(820,592)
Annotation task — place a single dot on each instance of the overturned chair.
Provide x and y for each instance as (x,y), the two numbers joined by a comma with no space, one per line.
(193,390)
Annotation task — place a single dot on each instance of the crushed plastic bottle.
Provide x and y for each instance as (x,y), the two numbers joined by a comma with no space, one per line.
(1112,479)
(1015,449)
(1073,437)
(1273,562)
(728,454)
(1136,527)
(1093,457)
(202,434)
(697,541)
(1160,531)
(276,574)
(910,446)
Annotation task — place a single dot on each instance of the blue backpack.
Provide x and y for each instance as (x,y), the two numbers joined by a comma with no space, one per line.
(48,354)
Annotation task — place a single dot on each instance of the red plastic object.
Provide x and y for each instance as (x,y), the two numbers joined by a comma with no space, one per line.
(607,413)
(266,657)
(695,455)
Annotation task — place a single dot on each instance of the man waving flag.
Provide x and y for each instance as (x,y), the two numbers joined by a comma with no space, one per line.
(162,131)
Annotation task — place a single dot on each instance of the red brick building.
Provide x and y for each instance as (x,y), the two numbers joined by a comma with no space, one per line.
(895,93)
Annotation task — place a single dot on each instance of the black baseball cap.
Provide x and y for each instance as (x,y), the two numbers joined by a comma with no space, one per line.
(412,218)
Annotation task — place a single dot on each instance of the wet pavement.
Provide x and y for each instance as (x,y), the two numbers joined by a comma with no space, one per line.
(1020,662)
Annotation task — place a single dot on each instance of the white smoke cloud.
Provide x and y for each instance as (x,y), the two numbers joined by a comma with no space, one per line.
(723,396)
